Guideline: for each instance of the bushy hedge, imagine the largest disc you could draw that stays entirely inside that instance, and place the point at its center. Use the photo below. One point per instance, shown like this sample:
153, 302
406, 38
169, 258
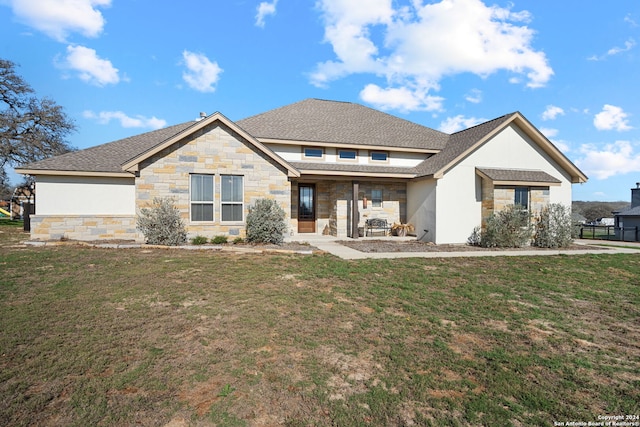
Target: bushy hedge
553, 227
512, 228
266, 222
508, 228
161, 224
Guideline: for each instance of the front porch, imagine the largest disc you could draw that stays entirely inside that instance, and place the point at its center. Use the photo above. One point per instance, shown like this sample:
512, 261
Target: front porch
332, 207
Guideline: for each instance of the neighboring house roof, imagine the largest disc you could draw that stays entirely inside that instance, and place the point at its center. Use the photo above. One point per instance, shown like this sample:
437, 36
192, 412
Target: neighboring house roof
517, 176
320, 121
629, 212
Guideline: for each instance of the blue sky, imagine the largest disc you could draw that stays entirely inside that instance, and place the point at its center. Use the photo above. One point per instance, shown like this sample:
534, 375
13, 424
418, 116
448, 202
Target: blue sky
122, 67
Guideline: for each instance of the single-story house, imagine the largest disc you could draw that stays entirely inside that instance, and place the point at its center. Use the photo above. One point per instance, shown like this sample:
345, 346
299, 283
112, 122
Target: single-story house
331, 166
627, 221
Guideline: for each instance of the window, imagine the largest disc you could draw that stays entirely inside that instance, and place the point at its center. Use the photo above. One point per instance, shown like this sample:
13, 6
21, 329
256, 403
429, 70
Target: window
379, 156
347, 154
231, 200
316, 153
522, 197
201, 197
376, 198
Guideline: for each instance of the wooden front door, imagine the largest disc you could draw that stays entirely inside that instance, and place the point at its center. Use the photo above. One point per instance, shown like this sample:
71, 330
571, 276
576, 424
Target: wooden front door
306, 208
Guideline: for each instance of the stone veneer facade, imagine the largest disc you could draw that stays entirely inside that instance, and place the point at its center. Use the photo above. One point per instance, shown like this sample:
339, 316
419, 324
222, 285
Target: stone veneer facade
215, 150
84, 227
496, 198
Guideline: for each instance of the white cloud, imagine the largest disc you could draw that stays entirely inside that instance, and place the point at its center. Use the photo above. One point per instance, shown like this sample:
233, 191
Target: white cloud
562, 145
614, 159
201, 74
457, 123
59, 18
402, 99
552, 112
629, 20
104, 117
628, 45
611, 118
265, 9
474, 96
548, 132
414, 47
90, 67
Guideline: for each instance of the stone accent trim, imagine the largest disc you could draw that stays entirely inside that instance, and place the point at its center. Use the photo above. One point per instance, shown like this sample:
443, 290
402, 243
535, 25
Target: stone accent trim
85, 227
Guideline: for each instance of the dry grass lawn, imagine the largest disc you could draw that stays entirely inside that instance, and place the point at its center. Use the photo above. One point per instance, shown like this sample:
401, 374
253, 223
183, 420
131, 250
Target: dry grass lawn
167, 337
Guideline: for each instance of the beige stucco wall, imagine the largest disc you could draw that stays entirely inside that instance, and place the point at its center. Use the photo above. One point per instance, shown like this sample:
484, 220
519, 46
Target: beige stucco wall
421, 208
75, 195
293, 153
214, 150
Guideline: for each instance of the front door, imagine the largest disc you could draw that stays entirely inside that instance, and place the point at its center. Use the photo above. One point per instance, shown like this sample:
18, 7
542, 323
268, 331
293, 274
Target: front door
306, 208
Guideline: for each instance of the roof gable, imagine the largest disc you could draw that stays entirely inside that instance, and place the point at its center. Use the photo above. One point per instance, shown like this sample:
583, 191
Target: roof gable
133, 164
320, 121
463, 143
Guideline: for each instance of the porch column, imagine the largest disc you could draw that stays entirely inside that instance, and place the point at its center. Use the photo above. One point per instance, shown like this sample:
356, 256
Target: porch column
355, 215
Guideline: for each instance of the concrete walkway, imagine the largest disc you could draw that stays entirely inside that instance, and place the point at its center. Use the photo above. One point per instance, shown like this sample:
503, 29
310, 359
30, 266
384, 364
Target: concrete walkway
332, 245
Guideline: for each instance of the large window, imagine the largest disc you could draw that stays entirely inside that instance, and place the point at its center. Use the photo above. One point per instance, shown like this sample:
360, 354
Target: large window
231, 200
201, 197
522, 197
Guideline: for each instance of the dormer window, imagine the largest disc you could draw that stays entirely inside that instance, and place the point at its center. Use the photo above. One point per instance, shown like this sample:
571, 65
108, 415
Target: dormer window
379, 156
347, 154
313, 152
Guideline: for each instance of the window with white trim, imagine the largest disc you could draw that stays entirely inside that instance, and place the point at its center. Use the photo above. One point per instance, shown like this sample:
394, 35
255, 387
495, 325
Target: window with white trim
232, 198
201, 197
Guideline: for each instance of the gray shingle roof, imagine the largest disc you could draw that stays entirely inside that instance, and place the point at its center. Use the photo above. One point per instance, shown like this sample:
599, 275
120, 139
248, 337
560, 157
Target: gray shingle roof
519, 175
316, 120
310, 120
108, 157
630, 212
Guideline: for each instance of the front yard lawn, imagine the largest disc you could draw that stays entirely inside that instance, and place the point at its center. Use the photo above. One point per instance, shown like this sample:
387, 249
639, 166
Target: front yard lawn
173, 337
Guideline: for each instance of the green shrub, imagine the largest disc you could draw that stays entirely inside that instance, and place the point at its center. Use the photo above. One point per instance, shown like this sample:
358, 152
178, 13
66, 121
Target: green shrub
266, 222
553, 227
238, 240
161, 224
508, 228
199, 240
219, 240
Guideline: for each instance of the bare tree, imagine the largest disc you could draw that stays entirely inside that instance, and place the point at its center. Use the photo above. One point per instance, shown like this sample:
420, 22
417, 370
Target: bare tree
31, 129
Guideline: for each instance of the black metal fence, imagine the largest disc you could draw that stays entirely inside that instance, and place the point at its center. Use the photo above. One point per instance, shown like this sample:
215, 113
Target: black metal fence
609, 232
